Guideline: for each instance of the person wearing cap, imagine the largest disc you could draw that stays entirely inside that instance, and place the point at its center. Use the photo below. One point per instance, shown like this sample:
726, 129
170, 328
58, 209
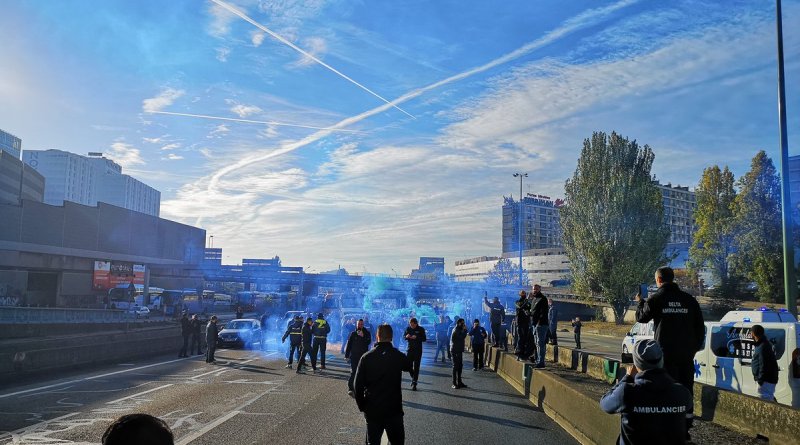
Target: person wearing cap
211, 339
415, 336
295, 334
653, 405
320, 330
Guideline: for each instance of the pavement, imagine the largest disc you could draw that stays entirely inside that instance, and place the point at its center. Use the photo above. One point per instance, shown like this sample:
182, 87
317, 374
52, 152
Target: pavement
250, 397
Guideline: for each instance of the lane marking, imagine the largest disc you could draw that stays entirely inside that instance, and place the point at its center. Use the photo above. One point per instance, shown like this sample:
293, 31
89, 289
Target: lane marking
3, 396
11, 434
209, 372
188, 438
139, 394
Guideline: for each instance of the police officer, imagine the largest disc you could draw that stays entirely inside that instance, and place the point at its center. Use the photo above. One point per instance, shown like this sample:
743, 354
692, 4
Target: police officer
415, 336
211, 339
653, 405
307, 334
295, 334
523, 321
678, 325
442, 340
497, 315
357, 344
541, 324
320, 330
378, 391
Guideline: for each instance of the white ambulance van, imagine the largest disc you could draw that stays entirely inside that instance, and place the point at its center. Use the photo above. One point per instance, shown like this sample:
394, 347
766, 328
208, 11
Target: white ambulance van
639, 331
725, 359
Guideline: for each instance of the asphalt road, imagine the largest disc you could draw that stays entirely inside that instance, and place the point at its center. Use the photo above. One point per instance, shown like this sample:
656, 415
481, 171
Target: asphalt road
609, 347
248, 397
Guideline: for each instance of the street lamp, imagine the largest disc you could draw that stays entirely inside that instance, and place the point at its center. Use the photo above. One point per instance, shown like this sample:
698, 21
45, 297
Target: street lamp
519, 223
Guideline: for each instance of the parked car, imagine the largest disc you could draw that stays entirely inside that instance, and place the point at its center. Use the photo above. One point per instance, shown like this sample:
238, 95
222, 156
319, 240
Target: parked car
639, 331
241, 332
139, 311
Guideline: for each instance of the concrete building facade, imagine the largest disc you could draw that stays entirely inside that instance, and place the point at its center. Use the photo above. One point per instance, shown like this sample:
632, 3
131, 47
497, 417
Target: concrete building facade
18, 181
543, 266
90, 180
540, 223
679, 206
10, 144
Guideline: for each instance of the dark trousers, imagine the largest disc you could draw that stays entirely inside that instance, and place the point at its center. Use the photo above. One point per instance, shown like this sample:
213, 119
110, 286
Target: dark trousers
441, 346
210, 352
353, 367
496, 333
578, 340
195, 345
320, 346
524, 341
185, 346
458, 367
552, 337
395, 431
682, 370
306, 350
477, 356
294, 349
416, 360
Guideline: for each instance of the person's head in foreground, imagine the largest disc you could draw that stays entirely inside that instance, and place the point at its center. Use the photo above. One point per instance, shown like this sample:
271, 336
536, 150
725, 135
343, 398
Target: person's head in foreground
138, 429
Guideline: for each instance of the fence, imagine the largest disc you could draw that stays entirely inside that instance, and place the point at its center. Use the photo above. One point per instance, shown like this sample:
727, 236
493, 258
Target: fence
24, 315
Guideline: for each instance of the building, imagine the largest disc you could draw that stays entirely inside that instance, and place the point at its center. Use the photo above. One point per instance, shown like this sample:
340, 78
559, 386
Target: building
90, 180
543, 266
10, 144
429, 268
475, 269
213, 257
18, 181
540, 223
679, 206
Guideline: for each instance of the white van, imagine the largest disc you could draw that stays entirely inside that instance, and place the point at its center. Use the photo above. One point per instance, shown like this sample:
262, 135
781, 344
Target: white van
639, 331
724, 361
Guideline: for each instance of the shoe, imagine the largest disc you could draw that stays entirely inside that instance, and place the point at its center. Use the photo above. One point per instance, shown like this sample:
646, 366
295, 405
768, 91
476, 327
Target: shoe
461, 385
351, 394
314, 370
413, 386
322, 367
540, 366
289, 366
455, 386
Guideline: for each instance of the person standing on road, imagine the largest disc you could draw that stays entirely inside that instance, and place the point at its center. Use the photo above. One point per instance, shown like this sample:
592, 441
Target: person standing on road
541, 324
186, 331
295, 334
653, 405
442, 340
457, 340
211, 339
478, 337
195, 344
552, 316
321, 330
415, 336
764, 364
576, 330
678, 325
378, 389
264, 321
347, 328
307, 333
523, 320
357, 344
239, 312
497, 315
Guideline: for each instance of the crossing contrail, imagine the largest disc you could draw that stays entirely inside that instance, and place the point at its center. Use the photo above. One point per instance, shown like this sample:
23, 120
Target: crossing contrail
306, 53
250, 121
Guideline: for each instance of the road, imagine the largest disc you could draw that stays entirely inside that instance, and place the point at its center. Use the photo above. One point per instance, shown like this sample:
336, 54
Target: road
609, 347
250, 397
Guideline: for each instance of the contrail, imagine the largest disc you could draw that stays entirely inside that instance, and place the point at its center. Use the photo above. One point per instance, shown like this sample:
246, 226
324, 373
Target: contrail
249, 121
306, 53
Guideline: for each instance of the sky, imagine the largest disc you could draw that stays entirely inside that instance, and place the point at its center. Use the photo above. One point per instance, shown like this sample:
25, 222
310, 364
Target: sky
363, 134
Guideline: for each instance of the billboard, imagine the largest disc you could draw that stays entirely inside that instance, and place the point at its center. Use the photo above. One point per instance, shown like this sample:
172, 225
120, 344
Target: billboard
110, 274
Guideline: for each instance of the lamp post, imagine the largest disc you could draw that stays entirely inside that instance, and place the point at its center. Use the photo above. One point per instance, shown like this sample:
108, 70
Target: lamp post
789, 280
519, 223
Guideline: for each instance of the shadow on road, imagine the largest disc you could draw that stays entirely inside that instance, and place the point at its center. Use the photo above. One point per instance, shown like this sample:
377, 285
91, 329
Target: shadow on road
452, 412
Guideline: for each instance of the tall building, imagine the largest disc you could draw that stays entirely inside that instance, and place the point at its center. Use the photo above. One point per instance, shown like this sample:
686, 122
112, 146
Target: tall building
540, 223
429, 267
18, 181
679, 207
89, 180
10, 144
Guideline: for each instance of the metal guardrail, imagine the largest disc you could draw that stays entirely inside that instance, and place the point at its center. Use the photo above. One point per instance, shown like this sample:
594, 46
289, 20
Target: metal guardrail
21, 315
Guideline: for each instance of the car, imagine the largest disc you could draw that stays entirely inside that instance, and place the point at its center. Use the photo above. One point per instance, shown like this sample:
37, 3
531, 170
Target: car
241, 332
428, 322
639, 331
139, 311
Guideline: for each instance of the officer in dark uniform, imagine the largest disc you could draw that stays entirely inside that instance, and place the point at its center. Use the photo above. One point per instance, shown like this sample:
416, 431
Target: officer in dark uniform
378, 390
186, 331
307, 334
320, 330
653, 405
356, 345
497, 315
415, 336
523, 320
678, 326
295, 334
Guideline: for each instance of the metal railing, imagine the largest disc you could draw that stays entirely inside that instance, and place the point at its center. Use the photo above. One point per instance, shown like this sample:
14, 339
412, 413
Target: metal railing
21, 315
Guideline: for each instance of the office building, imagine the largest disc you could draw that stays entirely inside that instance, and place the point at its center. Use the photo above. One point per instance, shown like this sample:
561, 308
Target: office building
10, 144
429, 268
19, 181
679, 206
90, 180
540, 223
543, 266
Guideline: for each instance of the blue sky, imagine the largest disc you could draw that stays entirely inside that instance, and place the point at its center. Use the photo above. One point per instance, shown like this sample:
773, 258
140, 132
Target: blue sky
367, 134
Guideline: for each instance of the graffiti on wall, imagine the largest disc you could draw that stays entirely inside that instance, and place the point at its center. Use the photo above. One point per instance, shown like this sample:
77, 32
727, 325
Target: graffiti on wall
10, 296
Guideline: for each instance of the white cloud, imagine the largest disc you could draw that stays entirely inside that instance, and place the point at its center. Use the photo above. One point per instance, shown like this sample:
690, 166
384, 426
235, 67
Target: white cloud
166, 98
221, 20
171, 146
124, 154
173, 157
222, 53
257, 37
245, 110
157, 140
314, 46
219, 131
206, 152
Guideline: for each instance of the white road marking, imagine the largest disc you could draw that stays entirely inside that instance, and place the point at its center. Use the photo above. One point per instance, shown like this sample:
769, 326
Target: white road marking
139, 394
188, 438
9, 434
210, 372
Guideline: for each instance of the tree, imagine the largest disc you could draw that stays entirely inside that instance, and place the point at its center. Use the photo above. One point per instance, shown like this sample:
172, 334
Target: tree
505, 273
613, 220
758, 227
713, 241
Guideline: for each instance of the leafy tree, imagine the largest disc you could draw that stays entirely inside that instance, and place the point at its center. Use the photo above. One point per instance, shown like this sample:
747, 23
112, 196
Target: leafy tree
613, 220
505, 273
713, 241
759, 242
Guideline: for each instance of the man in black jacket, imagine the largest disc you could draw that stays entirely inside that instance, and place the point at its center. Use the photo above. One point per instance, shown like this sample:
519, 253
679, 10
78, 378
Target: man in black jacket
321, 330
357, 344
295, 334
497, 314
186, 331
415, 336
457, 340
523, 322
442, 340
307, 333
211, 339
678, 325
653, 405
764, 364
541, 324
195, 344
378, 389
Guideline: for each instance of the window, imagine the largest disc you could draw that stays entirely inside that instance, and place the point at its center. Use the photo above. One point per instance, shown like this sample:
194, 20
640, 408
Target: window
736, 342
